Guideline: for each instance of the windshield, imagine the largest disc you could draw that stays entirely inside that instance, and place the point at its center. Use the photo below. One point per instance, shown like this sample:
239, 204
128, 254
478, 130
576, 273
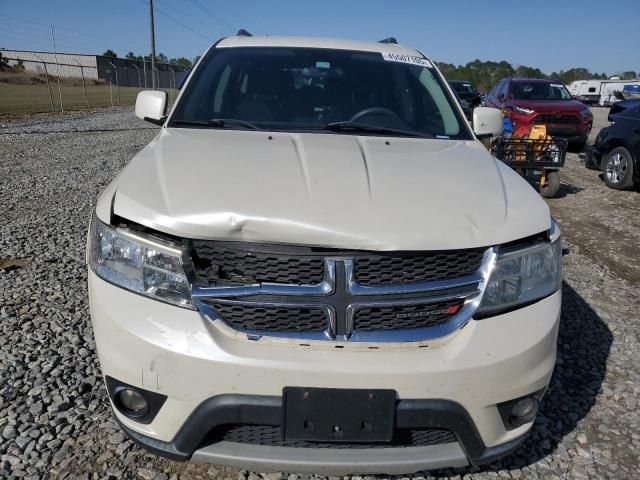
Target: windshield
310, 89
539, 91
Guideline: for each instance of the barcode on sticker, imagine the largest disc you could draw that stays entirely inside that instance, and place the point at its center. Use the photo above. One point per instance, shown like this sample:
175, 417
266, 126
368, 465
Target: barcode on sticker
413, 60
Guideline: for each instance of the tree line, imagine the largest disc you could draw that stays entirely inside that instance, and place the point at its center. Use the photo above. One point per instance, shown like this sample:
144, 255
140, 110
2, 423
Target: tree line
482, 74
485, 74
160, 58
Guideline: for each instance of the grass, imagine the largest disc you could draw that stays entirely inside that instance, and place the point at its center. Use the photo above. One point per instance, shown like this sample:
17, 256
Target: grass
34, 98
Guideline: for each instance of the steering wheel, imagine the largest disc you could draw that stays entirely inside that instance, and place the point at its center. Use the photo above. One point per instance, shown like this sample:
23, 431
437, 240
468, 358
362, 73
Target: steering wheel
367, 112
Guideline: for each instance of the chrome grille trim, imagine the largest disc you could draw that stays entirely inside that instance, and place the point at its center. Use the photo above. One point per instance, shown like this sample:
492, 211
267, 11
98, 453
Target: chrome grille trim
470, 289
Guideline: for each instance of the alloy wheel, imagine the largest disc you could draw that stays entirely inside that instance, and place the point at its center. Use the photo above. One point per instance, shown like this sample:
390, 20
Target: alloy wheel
616, 168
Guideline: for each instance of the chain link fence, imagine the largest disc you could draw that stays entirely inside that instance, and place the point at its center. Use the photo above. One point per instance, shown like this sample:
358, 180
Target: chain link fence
32, 86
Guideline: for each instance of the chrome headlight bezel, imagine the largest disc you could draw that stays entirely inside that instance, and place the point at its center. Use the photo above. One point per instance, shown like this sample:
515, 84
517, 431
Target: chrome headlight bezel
523, 275
139, 263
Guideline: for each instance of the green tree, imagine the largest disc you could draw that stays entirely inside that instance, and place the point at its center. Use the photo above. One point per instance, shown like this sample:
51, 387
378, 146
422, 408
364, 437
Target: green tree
162, 58
630, 75
110, 53
529, 72
4, 64
182, 62
131, 56
18, 67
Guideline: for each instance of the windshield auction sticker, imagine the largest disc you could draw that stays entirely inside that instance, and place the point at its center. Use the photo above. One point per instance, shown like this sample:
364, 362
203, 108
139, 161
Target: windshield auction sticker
397, 57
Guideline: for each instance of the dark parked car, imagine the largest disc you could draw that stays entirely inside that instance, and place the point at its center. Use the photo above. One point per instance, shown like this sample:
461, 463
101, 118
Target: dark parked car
531, 102
616, 151
469, 97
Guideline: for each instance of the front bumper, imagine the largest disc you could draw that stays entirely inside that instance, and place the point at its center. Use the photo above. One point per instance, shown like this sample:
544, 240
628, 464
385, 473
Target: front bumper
257, 409
573, 132
194, 362
592, 157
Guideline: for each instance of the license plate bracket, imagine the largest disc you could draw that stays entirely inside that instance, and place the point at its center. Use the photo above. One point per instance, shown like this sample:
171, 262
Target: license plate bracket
339, 415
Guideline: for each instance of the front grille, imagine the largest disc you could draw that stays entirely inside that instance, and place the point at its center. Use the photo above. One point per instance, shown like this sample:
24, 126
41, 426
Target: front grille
405, 316
390, 268
268, 435
548, 118
224, 265
334, 294
262, 318
221, 264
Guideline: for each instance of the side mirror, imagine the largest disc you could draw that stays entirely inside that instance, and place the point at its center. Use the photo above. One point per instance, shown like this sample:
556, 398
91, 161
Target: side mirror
487, 122
151, 105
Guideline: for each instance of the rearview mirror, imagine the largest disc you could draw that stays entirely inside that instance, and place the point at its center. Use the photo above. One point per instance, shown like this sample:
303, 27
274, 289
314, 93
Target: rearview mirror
151, 105
487, 122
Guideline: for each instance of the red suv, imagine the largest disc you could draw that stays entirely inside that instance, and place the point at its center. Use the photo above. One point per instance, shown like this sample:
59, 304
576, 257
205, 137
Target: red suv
531, 102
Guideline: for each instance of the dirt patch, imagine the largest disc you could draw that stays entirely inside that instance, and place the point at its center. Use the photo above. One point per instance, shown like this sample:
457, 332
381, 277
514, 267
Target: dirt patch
9, 264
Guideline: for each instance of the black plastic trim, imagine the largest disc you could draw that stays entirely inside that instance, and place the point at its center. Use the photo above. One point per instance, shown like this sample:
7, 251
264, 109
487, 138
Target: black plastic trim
155, 400
504, 409
156, 121
268, 410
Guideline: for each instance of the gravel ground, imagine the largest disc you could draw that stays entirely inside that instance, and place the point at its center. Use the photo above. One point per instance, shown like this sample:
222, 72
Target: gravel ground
54, 417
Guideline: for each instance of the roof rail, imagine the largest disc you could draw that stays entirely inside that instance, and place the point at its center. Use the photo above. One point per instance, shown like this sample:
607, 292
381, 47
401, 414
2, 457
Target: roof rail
389, 40
243, 33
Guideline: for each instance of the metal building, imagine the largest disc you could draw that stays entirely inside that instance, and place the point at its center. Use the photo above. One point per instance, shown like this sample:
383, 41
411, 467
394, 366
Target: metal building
124, 72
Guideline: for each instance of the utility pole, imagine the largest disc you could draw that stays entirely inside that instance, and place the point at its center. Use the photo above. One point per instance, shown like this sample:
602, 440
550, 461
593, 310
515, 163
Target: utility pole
153, 45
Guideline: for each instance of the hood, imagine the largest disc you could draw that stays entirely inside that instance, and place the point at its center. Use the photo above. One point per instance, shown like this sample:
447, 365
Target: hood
551, 106
342, 191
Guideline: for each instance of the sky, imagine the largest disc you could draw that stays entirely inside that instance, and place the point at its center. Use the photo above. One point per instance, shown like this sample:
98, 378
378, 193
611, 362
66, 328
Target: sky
603, 36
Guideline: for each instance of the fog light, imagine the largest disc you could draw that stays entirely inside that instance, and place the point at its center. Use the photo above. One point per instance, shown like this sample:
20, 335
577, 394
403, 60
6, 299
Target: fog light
132, 403
523, 411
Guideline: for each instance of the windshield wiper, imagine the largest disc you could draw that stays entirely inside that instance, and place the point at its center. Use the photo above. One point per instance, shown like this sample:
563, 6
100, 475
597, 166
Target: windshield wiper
218, 123
348, 126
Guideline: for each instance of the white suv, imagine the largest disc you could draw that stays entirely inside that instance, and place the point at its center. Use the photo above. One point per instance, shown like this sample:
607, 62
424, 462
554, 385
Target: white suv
317, 267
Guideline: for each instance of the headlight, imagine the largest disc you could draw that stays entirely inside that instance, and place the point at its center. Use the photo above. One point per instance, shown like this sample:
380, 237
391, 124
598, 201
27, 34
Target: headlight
524, 111
585, 112
523, 276
141, 264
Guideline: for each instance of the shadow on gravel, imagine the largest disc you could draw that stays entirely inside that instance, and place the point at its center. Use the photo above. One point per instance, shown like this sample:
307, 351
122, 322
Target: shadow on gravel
636, 187
575, 148
584, 341
567, 189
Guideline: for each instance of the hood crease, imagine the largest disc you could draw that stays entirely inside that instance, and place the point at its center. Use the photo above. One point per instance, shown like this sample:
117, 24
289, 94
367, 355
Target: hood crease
363, 153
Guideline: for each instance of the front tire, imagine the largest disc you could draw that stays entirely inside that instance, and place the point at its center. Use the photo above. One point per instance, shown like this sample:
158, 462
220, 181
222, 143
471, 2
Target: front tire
617, 169
552, 184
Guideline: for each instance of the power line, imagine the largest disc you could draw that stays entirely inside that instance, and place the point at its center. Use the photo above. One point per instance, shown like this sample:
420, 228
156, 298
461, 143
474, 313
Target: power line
182, 24
40, 27
194, 19
215, 17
